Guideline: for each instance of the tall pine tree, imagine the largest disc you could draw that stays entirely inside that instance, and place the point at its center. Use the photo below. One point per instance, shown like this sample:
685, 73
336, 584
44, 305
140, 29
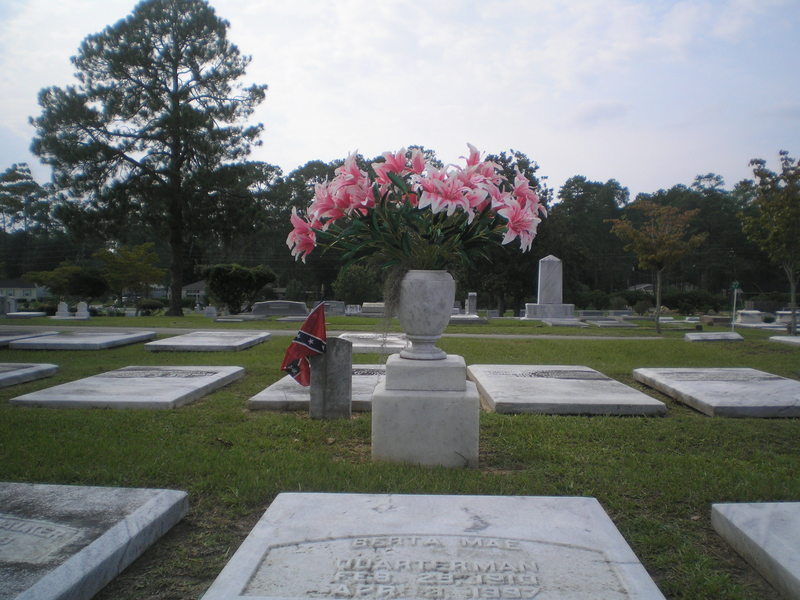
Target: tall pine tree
153, 123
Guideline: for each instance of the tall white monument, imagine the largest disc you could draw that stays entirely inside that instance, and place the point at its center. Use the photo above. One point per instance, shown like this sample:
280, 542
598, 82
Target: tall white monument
550, 303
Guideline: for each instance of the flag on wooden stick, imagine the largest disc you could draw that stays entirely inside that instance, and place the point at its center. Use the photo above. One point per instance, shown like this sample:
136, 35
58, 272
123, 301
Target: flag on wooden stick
309, 341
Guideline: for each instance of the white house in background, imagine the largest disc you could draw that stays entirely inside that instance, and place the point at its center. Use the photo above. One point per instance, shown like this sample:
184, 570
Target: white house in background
21, 290
195, 291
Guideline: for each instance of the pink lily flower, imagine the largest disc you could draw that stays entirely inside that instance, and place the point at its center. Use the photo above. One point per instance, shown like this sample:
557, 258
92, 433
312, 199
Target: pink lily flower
302, 239
522, 223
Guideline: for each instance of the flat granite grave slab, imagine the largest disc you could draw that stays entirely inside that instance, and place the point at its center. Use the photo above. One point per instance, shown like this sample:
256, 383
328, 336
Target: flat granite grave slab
727, 392
558, 390
767, 535
25, 315
375, 343
79, 340
446, 547
287, 394
14, 373
135, 387
209, 341
793, 340
718, 336
11, 335
68, 542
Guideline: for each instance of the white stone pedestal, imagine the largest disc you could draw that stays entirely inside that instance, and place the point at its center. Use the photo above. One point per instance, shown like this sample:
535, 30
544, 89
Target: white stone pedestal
427, 413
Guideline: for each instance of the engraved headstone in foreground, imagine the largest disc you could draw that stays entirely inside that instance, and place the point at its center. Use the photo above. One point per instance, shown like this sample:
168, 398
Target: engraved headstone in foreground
558, 390
135, 387
14, 373
727, 392
80, 340
62, 541
446, 547
209, 341
767, 535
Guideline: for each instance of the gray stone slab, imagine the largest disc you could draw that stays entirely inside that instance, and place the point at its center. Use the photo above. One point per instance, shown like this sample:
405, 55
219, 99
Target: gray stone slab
11, 335
287, 394
14, 373
564, 322
719, 336
793, 340
767, 535
727, 392
209, 341
68, 542
25, 315
135, 387
331, 390
558, 390
447, 547
612, 323
79, 340
375, 343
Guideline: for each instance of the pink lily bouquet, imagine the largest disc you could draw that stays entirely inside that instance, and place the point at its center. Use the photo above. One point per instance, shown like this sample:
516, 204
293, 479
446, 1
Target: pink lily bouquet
414, 215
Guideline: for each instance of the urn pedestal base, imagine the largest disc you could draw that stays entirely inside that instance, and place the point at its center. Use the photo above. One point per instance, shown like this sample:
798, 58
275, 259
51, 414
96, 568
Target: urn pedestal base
435, 426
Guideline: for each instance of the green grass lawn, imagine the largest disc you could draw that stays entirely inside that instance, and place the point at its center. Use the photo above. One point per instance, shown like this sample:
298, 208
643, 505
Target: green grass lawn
656, 477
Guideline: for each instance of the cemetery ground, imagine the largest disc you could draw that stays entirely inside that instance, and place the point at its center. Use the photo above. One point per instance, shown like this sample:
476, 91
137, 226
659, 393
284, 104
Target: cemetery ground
655, 476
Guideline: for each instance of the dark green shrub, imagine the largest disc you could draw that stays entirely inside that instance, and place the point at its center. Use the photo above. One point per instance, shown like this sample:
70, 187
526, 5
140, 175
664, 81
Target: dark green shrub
236, 286
357, 284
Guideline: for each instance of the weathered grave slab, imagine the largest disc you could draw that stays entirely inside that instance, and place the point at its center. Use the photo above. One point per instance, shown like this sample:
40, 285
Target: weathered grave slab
563, 322
558, 390
11, 335
767, 535
14, 373
448, 547
135, 387
25, 314
376, 343
287, 394
793, 340
727, 392
713, 336
209, 341
68, 542
612, 323
79, 340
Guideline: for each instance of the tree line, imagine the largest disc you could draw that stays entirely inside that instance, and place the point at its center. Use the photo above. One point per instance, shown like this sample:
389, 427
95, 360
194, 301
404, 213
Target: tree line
151, 145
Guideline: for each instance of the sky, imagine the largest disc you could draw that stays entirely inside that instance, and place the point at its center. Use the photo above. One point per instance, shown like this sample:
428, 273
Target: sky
648, 92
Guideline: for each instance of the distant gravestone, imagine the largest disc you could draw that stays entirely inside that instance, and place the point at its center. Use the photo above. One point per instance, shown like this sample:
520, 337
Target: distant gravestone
471, 304
210, 312
549, 303
62, 312
279, 308
82, 311
447, 547
331, 381
209, 341
713, 336
12, 305
334, 308
69, 541
372, 309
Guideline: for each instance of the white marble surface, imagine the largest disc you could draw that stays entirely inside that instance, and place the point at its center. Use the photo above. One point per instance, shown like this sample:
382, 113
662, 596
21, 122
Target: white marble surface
426, 427
375, 343
549, 290
713, 336
11, 335
767, 535
446, 375
135, 387
448, 547
727, 392
80, 340
287, 394
209, 341
793, 340
14, 373
558, 389
68, 542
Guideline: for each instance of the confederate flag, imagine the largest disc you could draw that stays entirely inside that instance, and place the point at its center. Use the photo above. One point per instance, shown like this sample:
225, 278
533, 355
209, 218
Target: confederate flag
309, 341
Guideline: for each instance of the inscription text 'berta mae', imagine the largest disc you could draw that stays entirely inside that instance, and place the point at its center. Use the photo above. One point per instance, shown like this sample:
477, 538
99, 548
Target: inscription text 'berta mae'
443, 567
